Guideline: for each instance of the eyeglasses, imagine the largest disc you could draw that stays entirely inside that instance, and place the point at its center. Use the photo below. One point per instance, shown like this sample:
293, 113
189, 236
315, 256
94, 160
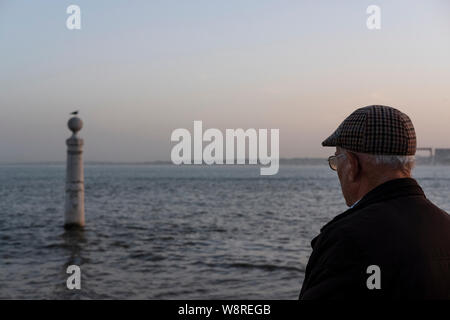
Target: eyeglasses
332, 161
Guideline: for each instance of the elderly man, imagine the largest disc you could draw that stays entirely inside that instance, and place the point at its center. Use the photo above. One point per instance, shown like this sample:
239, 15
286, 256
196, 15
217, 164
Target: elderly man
392, 243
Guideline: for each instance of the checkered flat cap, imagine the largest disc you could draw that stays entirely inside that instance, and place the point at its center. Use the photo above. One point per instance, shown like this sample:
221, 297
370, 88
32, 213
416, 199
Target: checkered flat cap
375, 130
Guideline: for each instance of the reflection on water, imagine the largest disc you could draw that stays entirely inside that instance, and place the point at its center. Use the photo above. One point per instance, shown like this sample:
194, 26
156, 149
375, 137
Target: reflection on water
74, 241
71, 245
170, 232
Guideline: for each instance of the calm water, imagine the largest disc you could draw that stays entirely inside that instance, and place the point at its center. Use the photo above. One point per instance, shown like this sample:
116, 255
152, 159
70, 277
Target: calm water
166, 232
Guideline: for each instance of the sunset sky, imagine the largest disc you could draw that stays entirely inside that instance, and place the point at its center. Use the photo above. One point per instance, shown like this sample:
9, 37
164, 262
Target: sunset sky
137, 70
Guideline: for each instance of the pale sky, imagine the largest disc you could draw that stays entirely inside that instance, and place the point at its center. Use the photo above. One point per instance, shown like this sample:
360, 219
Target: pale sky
137, 70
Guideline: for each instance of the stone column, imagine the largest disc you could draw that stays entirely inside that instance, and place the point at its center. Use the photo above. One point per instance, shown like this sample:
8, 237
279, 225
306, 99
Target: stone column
74, 207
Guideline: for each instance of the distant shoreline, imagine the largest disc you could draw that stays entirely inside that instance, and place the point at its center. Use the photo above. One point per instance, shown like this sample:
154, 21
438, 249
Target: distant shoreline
283, 161
299, 161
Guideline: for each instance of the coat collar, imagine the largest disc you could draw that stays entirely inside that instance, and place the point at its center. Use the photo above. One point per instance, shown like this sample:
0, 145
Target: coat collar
388, 190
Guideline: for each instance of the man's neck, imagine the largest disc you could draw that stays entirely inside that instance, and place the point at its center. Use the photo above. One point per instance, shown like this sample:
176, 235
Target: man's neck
370, 184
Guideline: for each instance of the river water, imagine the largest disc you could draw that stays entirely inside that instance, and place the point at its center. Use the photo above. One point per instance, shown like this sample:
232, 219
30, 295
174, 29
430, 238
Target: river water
167, 232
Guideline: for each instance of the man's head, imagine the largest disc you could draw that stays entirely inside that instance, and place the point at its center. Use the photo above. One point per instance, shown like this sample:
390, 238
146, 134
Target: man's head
374, 144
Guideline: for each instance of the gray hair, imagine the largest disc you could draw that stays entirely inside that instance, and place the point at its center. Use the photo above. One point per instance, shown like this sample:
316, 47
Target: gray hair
404, 163
398, 162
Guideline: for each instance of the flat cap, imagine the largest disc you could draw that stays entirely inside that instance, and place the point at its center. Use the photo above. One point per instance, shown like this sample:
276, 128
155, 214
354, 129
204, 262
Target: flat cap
375, 130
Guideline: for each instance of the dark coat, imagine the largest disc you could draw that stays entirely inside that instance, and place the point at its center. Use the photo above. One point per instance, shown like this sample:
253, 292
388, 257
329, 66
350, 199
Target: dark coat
395, 227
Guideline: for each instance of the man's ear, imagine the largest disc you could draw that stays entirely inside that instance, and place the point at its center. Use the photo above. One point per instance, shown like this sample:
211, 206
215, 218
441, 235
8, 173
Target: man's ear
354, 168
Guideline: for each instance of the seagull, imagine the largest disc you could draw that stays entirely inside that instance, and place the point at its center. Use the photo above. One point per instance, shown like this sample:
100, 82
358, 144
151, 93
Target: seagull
75, 112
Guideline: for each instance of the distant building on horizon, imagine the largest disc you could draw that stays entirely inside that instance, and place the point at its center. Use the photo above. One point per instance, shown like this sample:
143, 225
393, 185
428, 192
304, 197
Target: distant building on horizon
442, 156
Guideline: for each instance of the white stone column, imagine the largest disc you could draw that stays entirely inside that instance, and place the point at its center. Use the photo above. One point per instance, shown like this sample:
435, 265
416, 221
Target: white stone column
74, 207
